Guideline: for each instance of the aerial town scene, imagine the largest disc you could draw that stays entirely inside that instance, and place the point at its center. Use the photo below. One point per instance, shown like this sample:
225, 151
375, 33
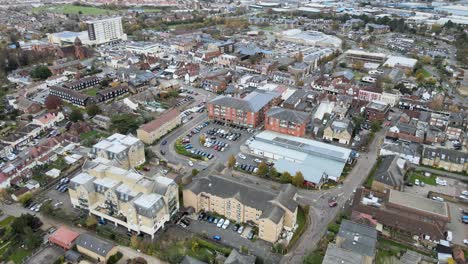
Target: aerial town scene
234, 131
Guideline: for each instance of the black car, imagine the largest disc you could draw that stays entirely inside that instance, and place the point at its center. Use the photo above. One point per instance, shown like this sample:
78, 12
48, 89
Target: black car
164, 142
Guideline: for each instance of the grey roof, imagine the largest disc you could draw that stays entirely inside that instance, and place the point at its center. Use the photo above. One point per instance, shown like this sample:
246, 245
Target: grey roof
388, 171
336, 255
236, 258
406, 128
411, 149
253, 102
94, 244
448, 155
72, 256
346, 74
267, 202
288, 114
340, 125
357, 238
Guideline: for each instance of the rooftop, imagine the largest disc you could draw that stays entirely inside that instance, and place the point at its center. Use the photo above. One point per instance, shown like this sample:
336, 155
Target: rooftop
418, 203
358, 238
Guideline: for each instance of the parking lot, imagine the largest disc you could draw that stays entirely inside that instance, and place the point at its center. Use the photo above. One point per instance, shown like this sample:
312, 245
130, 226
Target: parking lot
233, 239
453, 188
221, 140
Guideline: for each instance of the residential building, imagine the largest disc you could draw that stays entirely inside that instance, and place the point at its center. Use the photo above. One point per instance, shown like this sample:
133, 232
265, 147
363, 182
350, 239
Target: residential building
95, 248
128, 150
372, 94
83, 83
407, 213
163, 124
248, 111
102, 121
111, 93
376, 111
357, 238
411, 152
316, 161
339, 130
243, 203
64, 238
377, 28
447, 159
408, 132
390, 174
106, 30
48, 120
336, 254
286, 121
71, 96
123, 197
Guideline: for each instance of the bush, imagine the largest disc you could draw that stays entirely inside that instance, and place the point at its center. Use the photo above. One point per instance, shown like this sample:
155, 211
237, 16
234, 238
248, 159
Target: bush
115, 258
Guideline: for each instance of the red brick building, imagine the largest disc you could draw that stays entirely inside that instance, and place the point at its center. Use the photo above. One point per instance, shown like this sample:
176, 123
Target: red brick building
377, 111
248, 111
286, 121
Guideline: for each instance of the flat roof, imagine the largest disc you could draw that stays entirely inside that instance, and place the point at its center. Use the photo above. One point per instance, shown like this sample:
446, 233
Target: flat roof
148, 200
82, 178
418, 203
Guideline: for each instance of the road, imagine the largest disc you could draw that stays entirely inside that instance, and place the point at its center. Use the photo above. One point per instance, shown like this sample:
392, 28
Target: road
320, 214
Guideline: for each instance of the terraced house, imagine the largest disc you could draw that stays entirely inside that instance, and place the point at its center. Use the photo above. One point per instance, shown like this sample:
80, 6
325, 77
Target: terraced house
448, 159
124, 197
273, 213
83, 83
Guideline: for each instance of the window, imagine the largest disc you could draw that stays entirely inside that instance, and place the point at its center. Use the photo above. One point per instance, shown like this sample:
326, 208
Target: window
283, 123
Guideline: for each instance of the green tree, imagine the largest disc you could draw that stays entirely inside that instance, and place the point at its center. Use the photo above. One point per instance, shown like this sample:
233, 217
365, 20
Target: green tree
298, 179
376, 126
202, 139
40, 72
286, 177
273, 172
231, 161
194, 172
426, 59
25, 198
420, 77
75, 115
91, 222
262, 169
134, 242
93, 110
31, 240
124, 123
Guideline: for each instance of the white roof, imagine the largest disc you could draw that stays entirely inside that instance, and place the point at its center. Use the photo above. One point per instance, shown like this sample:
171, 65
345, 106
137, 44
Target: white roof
393, 61
82, 178
147, 200
106, 182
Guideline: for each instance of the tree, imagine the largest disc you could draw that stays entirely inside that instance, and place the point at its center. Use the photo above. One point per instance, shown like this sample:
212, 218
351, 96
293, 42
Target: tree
53, 102
91, 222
262, 169
31, 240
124, 123
4, 195
134, 242
376, 126
420, 77
194, 172
202, 139
231, 161
93, 110
286, 177
75, 115
273, 172
41, 72
149, 154
426, 59
358, 65
25, 198
298, 179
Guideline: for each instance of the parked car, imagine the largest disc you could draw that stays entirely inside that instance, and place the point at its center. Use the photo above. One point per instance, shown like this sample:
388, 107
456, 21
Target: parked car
190, 163
416, 182
164, 142
226, 224
250, 235
217, 238
235, 227
220, 223
242, 156
240, 230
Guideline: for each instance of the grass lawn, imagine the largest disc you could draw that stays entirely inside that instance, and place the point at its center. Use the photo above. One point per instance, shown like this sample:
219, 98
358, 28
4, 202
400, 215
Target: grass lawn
358, 75
431, 180
7, 221
19, 255
74, 9
151, 10
91, 91
425, 73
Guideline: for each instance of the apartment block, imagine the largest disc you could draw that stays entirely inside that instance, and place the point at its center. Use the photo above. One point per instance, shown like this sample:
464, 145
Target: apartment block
245, 204
123, 197
286, 121
248, 111
448, 159
128, 151
106, 30
154, 130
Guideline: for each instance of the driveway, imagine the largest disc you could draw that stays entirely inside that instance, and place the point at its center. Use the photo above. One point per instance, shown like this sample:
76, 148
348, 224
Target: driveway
232, 239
